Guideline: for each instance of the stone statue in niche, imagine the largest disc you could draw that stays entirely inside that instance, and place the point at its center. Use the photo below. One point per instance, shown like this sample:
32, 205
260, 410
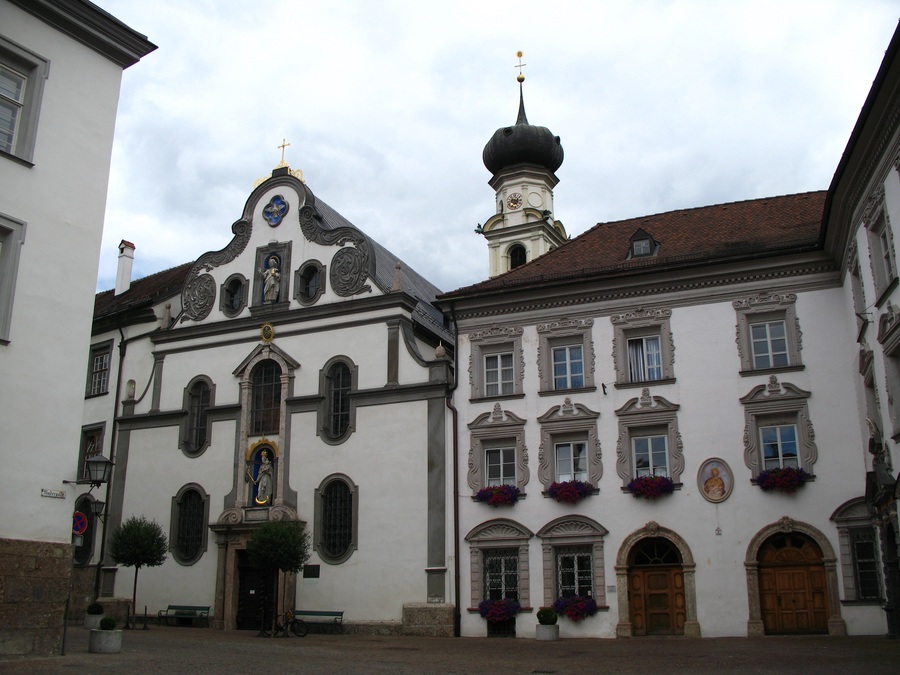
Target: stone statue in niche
263, 480
271, 280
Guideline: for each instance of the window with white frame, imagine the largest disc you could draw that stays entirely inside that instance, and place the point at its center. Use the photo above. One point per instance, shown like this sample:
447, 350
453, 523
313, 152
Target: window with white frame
499, 378
12, 237
565, 355
501, 574
497, 455
98, 373
572, 551
643, 348
496, 362
649, 441
500, 466
91, 446
778, 430
768, 332
498, 562
570, 449
22, 76
568, 367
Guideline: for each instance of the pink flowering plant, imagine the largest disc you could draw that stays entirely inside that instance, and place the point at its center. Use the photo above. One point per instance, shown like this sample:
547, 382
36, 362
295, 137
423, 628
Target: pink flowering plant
498, 495
787, 479
570, 491
497, 611
651, 487
575, 607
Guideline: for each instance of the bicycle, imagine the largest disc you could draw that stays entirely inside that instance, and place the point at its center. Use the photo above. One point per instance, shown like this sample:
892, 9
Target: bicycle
289, 622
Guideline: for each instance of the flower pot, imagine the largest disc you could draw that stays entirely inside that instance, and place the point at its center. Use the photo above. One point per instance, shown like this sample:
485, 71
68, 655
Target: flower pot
92, 621
547, 633
105, 641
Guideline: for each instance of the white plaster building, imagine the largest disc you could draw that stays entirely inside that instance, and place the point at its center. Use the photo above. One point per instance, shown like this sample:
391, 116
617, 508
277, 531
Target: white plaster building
707, 346
305, 342
61, 66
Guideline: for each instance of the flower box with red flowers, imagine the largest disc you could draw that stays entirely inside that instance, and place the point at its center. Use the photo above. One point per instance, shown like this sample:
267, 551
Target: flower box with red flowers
498, 495
787, 479
651, 487
570, 491
575, 607
497, 611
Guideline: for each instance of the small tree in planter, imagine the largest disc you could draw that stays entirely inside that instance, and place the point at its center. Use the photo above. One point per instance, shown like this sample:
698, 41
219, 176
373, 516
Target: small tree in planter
279, 546
546, 629
105, 639
92, 615
138, 542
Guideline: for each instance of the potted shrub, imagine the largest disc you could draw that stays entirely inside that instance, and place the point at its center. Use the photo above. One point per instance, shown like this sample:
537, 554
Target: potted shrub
106, 639
650, 487
498, 495
570, 491
788, 479
92, 615
546, 628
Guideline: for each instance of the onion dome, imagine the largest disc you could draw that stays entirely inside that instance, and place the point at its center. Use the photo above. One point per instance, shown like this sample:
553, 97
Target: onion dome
522, 143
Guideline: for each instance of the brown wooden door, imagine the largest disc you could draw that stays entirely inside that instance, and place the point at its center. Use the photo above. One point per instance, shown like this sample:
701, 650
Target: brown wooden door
792, 586
656, 598
255, 592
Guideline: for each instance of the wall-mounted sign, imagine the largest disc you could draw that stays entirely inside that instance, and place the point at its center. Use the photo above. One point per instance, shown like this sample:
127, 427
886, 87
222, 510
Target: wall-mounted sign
715, 480
55, 494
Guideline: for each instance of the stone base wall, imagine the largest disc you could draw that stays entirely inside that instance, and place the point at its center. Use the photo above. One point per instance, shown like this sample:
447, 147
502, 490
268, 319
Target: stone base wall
34, 583
82, 592
363, 628
428, 620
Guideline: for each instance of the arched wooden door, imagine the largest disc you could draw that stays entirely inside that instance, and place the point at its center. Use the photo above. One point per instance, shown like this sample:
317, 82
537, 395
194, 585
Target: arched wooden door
792, 585
656, 588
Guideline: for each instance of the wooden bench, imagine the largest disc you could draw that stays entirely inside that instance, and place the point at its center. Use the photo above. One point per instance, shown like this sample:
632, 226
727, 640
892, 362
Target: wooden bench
334, 619
184, 614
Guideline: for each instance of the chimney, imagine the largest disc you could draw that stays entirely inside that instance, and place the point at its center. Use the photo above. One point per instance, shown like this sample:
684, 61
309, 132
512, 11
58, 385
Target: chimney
126, 260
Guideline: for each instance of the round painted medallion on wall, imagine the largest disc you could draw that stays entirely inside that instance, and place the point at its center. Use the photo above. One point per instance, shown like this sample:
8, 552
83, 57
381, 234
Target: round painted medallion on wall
715, 480
198, 297
535, 200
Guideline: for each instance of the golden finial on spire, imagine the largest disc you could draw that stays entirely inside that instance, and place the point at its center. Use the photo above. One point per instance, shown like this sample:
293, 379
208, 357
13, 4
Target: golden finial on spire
297, 173
520, 77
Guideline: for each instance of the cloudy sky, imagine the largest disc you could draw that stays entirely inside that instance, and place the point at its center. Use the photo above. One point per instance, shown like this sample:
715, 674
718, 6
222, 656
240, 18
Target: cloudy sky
387, 106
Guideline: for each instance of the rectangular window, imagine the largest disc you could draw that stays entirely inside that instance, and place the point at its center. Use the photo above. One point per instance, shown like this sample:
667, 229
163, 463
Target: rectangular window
575, 572
865, 563
571, 461
500, 464
91, 446
644, 359
501, 574
12, 99
98, 380
779, 445
650, 456
568, 367
498, 374
12, 236
22, 76
769, 344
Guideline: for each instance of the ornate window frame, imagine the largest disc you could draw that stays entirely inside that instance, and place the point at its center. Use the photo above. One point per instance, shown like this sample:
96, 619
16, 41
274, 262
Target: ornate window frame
776, 403
767, 307
319, 519
572, 531
854, 522
565, 333
880, 237
227, 293
889, 339
638, 323
324, 409
568, 422
188, 422
495, 340
175, 524
498, 428
498, 534
644, 416
301, 282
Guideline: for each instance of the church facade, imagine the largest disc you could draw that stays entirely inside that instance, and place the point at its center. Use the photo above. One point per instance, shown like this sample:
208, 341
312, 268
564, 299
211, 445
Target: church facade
299, 374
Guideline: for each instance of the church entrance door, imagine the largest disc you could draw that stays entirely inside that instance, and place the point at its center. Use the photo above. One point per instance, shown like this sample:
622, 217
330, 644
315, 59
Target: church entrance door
656, 589
256, 590
792, 585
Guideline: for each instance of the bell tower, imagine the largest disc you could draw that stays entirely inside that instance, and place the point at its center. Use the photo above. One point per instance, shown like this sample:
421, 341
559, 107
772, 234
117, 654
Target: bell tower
522, 160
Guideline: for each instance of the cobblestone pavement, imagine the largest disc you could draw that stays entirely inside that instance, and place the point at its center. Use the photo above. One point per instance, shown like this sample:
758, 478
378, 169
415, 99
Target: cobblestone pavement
201, 650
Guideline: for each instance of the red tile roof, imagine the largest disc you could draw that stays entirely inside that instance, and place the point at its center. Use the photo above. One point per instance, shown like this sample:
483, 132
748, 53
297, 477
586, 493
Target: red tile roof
774, 225
144, 291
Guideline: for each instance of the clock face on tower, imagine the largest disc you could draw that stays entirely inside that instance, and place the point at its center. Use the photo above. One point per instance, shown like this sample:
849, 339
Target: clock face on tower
514, 201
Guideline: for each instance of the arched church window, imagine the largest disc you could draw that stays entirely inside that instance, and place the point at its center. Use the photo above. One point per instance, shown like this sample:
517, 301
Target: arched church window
190, 510
266, 396
234, 295
338, 387
336, 519
309, 282
516, 256
85, 549
198, 401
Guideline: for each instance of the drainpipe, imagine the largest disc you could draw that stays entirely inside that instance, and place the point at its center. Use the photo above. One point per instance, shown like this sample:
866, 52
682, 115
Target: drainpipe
457, 615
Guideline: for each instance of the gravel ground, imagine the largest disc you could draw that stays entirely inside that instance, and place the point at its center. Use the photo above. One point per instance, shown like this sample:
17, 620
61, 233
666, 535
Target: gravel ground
199, 650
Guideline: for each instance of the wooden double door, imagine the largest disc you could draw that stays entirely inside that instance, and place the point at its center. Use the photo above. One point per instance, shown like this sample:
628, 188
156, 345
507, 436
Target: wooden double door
792, 586
656, 589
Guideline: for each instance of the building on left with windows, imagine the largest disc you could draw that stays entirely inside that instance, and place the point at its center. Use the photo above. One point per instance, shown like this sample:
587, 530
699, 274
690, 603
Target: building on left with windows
61, 67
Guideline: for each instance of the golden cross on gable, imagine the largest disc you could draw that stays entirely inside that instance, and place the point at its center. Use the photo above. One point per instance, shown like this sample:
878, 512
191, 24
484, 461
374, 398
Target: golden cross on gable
521, 65
284, 144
